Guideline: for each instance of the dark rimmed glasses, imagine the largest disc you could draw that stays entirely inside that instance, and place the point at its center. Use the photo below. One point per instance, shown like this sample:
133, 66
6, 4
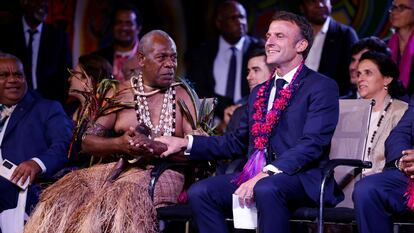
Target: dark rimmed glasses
399, 8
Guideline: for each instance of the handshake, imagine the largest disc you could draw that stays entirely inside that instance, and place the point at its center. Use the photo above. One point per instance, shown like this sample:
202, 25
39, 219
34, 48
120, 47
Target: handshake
140, 145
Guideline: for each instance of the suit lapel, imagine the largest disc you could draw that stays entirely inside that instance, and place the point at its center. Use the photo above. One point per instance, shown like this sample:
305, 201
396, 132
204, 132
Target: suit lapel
21, 109
329, 48
21, 47
244, 85
41, 57
301, 78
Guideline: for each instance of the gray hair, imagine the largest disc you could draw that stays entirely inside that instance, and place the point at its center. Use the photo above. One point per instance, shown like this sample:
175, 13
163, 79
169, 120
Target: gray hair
146, 40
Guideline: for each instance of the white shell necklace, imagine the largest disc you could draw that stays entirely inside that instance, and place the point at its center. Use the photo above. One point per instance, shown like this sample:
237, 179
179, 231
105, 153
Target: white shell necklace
166, 124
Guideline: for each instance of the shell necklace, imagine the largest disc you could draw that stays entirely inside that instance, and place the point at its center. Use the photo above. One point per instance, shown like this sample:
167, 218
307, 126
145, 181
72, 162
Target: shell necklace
166, 124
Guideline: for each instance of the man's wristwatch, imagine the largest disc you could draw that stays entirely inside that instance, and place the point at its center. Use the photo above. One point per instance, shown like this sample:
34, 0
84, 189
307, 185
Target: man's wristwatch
398, 164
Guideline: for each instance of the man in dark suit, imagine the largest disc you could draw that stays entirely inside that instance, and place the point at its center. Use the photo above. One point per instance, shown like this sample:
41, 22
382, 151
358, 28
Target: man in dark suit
331, 50
34, 134
210, 65
43, 49
292, 131
126, 25
380, 196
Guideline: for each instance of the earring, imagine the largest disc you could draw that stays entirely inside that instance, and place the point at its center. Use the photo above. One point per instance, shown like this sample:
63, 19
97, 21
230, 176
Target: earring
385, 87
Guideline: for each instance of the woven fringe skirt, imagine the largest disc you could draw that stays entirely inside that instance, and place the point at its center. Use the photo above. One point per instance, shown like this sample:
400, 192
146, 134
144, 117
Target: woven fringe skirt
82, 202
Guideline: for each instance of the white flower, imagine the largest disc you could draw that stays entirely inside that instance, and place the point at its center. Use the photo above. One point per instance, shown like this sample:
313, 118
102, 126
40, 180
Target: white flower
7, 111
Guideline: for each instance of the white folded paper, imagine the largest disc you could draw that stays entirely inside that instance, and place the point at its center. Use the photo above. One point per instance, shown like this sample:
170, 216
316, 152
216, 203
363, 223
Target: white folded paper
244, 218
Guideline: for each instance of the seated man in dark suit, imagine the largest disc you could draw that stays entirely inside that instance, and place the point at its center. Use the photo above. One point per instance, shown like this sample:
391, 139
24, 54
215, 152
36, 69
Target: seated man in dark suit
330, 52
380, 196
34, 135
290, 120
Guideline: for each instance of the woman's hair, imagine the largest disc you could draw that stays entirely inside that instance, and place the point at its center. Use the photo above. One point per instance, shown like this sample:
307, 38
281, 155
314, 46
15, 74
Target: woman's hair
96, 67
387, 67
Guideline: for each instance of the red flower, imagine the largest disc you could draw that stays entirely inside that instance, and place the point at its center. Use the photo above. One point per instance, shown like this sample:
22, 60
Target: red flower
260, 142
256, 128
267, 128
261, 130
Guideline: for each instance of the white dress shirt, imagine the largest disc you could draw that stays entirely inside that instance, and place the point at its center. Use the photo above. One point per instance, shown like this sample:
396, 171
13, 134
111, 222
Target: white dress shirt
314, 57
221, 67
35, 48
288, 78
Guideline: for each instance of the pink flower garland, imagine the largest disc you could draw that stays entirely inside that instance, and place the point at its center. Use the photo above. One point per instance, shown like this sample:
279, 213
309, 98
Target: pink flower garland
262, 126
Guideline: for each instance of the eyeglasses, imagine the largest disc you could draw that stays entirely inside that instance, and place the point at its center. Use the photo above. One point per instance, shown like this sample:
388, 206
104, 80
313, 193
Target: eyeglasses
324, 2
399, 8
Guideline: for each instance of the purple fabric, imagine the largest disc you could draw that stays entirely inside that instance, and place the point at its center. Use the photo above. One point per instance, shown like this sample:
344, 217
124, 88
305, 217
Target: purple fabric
405, 62
252, 167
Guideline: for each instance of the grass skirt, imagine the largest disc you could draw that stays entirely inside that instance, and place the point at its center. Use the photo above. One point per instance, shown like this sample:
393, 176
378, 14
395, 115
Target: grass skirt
82, 202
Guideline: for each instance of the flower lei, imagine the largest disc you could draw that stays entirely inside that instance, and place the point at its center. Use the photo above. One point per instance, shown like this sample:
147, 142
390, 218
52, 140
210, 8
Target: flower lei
6, 112
264, 122
262, 127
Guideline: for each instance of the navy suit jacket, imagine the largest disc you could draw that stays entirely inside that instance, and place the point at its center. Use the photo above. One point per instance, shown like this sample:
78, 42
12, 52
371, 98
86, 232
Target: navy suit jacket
336, 54
52, 62
201, 66
37, 128
401, 137
299, 143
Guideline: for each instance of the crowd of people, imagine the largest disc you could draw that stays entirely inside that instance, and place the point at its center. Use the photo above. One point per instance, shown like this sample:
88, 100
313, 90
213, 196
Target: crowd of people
95, 131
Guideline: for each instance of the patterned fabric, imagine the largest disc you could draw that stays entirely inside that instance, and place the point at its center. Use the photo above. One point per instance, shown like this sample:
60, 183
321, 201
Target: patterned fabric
2, 119
5, 113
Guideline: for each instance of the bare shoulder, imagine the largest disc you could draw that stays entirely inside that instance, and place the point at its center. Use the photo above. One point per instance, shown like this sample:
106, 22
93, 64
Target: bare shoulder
124, 91
182, 92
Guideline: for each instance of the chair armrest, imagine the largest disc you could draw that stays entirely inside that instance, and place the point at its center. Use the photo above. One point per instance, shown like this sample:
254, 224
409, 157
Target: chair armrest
158, 169
333, 163
327, 172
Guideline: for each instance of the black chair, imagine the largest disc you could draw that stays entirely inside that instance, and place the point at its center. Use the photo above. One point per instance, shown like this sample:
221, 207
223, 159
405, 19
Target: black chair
347, 150
178, 212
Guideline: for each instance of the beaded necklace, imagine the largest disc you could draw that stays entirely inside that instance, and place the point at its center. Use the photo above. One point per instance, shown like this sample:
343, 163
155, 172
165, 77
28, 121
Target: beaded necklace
380, 120
166, 124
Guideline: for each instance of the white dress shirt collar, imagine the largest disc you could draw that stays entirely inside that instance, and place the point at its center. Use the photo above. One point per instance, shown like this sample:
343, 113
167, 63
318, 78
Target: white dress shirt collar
221, 67
26, 27
224, 45
315, 53
288, 76
325, 26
